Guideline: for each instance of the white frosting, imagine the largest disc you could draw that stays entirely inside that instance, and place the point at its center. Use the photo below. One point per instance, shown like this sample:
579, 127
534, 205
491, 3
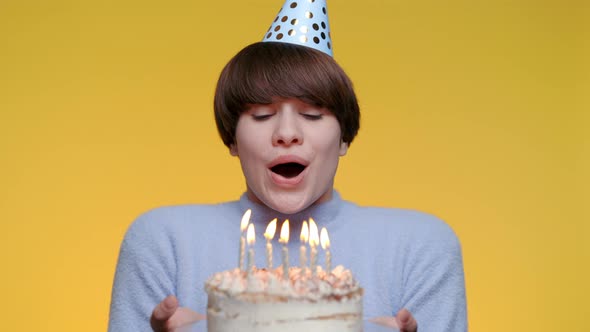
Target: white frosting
264, 301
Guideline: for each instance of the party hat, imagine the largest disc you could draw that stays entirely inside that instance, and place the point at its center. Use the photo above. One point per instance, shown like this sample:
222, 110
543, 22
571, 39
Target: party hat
302, 22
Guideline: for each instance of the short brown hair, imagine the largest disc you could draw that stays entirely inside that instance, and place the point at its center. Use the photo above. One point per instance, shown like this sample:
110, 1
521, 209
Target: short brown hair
262, 71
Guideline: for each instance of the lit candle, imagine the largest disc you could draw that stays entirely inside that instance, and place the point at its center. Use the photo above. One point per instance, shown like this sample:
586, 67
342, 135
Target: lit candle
314, 240
243, 226
284, 239
251, 237
269, 234
325, 240
302, 251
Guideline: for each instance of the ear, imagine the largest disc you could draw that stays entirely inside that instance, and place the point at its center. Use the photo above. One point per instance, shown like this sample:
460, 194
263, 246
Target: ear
343, 148
233, 150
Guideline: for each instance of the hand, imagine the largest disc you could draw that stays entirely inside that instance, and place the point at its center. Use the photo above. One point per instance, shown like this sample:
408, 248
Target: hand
404, 321
168, 316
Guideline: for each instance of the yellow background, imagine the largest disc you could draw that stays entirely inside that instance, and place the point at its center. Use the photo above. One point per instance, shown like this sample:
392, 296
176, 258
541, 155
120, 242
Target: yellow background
476, 111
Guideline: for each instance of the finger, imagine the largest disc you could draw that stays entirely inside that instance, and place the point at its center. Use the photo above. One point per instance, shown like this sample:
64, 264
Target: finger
162, 313
387, 321
406, 321
185, 316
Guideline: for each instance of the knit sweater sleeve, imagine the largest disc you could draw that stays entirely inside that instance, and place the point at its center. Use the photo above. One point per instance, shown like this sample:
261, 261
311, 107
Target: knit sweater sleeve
434, 286
144, 276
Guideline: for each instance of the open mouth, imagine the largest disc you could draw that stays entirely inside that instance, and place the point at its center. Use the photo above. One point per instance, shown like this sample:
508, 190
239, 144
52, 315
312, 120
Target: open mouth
288, 170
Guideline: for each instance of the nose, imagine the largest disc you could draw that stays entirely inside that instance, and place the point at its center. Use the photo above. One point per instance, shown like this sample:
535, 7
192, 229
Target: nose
287, 131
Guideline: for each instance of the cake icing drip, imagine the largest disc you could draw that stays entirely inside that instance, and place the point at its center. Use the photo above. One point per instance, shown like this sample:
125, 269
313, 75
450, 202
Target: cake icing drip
338, 285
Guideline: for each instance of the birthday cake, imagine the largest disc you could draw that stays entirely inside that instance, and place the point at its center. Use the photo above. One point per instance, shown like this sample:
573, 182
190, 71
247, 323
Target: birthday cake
264, 300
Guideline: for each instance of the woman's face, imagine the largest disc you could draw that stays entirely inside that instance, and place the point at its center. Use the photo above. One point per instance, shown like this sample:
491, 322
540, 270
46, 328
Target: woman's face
289, 153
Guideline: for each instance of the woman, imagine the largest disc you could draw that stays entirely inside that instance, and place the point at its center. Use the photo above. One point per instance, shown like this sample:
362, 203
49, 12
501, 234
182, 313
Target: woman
288, 112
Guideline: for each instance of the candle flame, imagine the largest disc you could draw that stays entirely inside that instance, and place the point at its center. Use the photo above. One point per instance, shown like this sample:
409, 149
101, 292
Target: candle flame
251, 235
304, 233
325, 239
285, 232
271, 229
314, 238
245, 220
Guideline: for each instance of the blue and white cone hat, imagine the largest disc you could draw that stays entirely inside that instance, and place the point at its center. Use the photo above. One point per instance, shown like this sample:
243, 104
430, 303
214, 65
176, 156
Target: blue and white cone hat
302, 22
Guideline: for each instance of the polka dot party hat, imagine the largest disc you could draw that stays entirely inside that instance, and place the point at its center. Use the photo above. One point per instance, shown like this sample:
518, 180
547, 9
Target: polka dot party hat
302, 22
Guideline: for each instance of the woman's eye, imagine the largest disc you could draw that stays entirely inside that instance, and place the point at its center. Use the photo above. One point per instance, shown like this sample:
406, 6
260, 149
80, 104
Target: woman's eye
310, 116
261, 117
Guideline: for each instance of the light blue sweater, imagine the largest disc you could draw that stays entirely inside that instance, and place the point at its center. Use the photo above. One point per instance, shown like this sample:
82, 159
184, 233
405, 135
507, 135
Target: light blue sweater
402, 258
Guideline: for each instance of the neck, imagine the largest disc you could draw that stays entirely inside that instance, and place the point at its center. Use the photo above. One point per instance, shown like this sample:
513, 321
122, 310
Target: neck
322, 211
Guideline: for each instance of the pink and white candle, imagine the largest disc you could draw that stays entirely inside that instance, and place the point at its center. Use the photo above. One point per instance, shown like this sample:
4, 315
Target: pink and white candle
325, 241
269, 234
303, 250
314, 240
243, 227
284, 239
251, 238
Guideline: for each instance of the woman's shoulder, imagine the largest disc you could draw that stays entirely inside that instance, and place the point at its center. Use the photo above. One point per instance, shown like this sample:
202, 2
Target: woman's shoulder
406, 222
183, 218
